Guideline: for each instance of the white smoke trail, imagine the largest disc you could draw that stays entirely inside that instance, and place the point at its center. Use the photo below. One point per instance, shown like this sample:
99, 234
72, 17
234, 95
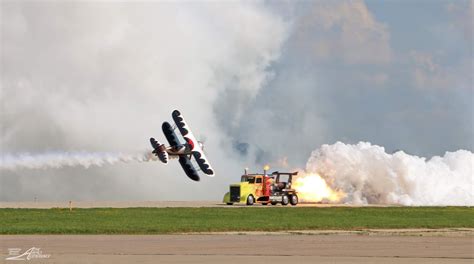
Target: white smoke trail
68, 159
369, 175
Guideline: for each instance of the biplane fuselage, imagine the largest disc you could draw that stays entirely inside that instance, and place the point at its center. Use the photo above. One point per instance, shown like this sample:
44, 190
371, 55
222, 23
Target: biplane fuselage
175, 151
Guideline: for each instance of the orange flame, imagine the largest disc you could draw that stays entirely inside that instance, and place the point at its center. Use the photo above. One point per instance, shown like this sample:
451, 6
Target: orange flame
313, 188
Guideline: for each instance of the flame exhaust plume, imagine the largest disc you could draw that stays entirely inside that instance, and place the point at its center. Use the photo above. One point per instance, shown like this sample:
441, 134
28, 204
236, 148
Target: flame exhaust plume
313, 188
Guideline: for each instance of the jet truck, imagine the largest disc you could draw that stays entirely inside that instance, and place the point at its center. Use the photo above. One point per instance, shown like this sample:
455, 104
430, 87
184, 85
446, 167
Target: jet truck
263, 188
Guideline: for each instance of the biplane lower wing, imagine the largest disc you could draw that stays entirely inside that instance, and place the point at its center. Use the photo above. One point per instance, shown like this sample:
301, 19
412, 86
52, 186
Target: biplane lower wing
189, 168
169, 134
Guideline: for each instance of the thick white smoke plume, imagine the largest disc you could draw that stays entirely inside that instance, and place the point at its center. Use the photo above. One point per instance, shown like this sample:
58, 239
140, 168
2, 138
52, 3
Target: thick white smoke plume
102, 77
369, 175
68, 159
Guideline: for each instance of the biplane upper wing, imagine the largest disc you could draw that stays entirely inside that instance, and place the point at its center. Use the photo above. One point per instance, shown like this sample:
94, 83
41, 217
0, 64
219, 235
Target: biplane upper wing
201, 160
196, 149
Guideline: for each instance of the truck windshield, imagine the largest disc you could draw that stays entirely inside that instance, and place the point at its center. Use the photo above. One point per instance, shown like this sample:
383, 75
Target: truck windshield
248, 179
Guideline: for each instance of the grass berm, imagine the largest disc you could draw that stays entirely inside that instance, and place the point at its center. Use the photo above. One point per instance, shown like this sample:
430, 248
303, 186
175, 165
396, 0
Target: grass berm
182, 220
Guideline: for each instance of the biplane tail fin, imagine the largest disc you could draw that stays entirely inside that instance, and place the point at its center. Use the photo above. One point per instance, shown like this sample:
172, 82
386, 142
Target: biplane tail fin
159, 150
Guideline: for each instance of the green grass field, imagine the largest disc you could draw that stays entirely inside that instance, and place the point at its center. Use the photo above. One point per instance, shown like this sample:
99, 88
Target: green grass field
177, 220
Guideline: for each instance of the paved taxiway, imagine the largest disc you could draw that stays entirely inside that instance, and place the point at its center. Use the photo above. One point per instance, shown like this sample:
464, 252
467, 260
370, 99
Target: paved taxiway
253, 248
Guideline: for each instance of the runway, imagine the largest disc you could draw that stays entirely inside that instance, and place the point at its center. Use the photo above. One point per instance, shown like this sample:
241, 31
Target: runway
157, 204
253, 248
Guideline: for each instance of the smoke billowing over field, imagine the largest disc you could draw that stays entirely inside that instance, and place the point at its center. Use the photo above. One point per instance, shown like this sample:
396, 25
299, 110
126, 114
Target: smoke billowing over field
87, 84
366, 174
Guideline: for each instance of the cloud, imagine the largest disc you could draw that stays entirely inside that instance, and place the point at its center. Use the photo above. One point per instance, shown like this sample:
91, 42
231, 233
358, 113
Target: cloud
430, 73
375, 80
462, 13
363, 86
289, 116
345, 30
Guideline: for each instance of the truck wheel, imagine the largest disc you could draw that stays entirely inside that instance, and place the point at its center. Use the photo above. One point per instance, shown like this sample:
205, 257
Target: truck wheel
230, 203
250, 200
274, 203
284, 200
264, 203
294, 200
